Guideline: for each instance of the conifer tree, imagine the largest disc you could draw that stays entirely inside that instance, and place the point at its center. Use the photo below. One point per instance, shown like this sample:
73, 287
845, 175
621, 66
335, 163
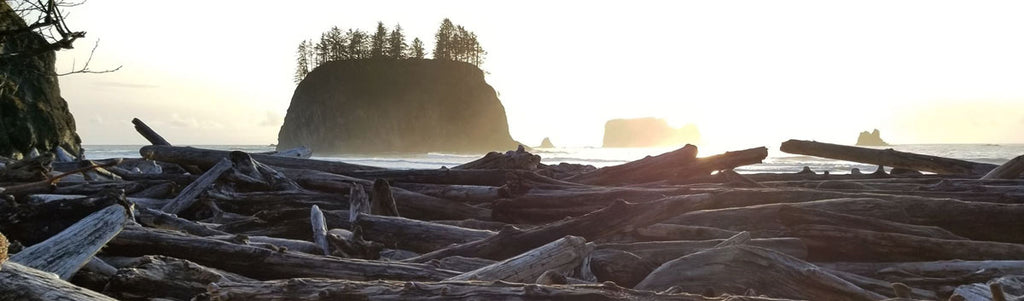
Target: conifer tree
396, 43
417, 51
443, 40
357, 45
302, 62
379, 41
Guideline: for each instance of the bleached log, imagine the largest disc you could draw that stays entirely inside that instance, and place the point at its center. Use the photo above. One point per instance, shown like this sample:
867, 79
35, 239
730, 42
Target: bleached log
298, 152
316, 219
329, 289
620, 216
472, 194
887, 157
659, 252
883, 287
563, 256
792, 216
729, 270
18, 282
350, 244
1009, 170
414, 235
274, 243
461, 264
188, 195
66, 252
262, 263
666, 232
248, 203
999, 289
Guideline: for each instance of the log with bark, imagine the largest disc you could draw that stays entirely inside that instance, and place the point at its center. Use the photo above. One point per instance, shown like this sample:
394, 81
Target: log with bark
728, 270
886, 157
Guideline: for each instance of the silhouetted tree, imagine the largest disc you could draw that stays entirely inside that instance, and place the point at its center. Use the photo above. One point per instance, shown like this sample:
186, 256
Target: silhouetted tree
396, 43
358, 46
379, 41
443, 40
336, 41
417, 51
302, 62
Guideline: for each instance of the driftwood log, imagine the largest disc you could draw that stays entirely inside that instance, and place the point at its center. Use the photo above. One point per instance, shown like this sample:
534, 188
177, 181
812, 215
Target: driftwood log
208, 157
1009, 170
18, 282
64, 253
562, 256
887, 157
729, 270
262, 263
415, 235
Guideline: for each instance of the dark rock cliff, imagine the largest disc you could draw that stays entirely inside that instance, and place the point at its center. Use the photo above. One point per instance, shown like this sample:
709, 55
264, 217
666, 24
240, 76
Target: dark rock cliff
873, 138
400, 106
32, 112
647, 132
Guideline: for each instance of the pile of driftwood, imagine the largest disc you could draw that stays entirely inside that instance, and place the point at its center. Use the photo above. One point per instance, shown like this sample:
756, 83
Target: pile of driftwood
184, 223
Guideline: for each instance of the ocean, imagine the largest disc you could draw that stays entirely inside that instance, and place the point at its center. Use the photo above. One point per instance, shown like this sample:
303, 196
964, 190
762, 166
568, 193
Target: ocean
777, 161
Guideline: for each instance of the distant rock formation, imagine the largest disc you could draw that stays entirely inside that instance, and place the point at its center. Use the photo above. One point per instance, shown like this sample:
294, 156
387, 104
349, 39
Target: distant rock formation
32, 113
647, 132
874, 138
395, 106
546, 143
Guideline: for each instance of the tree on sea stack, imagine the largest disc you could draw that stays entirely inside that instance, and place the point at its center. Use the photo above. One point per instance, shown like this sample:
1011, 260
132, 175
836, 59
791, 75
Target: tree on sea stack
443, 40
417, 51
396, 43
379, 41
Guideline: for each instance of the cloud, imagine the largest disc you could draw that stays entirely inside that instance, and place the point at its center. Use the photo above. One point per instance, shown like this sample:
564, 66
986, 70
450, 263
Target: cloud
96, 119
272, 119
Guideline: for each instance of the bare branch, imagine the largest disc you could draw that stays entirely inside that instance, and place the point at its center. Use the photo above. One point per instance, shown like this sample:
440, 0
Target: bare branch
85, 68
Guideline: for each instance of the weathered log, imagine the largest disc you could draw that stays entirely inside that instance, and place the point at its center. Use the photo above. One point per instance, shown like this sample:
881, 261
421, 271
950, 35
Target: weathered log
517, 159
382, 202
885, 288
247, 174
728, 270
316, 219
460, 193
667, 232
188, 195
563, 256
887, 157
940, 276
624, 268
358, 202
19, 283
27, 170
161, 220
414, 205
272, 243
540, 206
620, 216
65, 253
208, 157
793, 216
999, 289
414, 235
1009, 170
162, 277
830, 243
461, 264
959, 217
262, 263
480, 177
673, 166
298, 152
33, 223
152, 136
291, 223
327, 289
659, 252
350, 244
478, 224
249, 203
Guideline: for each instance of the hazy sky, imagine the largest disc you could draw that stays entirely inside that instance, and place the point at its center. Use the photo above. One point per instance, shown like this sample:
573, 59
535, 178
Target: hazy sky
748, 73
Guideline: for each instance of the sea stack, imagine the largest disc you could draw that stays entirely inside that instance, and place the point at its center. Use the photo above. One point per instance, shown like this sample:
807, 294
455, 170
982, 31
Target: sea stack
874, 138
395, 106
647, 132
546, 143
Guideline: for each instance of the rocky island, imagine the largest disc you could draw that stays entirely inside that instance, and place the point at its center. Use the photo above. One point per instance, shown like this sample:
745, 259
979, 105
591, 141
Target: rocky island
647, 132
874, 138
396, 106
